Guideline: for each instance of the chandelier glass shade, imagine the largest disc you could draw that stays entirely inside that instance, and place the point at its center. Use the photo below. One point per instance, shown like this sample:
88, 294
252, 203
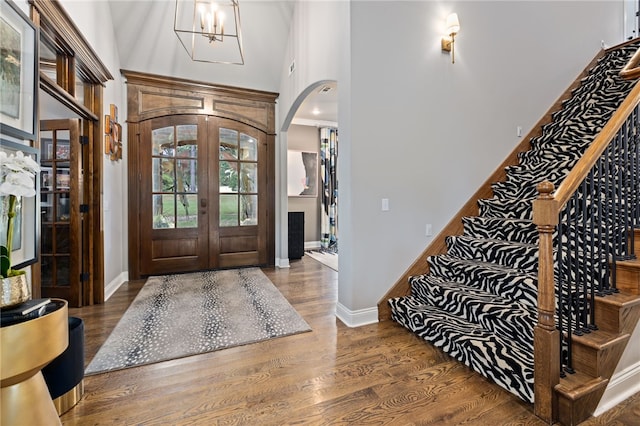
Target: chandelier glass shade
210, 31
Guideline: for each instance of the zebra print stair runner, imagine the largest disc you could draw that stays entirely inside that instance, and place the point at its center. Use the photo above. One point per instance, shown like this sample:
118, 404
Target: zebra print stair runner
478, 301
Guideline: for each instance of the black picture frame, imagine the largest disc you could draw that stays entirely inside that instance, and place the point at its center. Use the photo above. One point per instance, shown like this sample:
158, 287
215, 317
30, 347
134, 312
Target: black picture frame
19, 76
27, 254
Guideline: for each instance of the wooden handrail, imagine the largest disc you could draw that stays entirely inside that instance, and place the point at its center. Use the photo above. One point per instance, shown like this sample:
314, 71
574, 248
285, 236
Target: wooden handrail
632, 69
546, 212
569, 185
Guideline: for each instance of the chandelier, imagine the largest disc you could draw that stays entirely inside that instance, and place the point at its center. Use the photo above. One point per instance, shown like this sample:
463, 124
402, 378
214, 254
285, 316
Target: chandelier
210, 31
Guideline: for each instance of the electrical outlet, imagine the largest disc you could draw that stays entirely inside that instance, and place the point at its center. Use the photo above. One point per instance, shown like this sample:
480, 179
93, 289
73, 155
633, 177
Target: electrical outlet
428, 231
519, 131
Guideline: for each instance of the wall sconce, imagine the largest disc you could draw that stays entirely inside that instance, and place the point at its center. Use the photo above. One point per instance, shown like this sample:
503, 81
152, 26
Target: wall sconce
452, 28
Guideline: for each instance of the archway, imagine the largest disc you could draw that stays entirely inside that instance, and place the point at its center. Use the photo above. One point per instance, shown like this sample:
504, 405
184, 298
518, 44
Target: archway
309, 131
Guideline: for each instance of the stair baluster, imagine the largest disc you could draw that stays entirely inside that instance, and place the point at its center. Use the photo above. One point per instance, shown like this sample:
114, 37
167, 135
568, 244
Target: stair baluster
597, 207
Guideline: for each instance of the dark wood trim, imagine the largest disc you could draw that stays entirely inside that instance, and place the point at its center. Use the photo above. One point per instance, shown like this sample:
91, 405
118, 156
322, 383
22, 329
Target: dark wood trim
57, 23
133, 173
271, 200
77, 60
163, 82
59, 94
152, 96
94, 96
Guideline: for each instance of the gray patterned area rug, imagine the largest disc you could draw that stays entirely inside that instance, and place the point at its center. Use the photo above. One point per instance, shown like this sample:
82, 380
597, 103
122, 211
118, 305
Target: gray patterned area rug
174, 316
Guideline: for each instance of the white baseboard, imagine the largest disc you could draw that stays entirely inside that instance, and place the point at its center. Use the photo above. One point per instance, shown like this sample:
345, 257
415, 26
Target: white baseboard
621, 386
356, 318
282, 263
310, 245
115, 284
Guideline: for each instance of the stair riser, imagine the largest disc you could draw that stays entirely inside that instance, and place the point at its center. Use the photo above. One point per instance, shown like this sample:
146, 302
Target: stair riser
519, 232
614, 318
575, 411
519, 287
503, 190
497, 208
628, 277
523, 257
508, 320
533, 158
598, 362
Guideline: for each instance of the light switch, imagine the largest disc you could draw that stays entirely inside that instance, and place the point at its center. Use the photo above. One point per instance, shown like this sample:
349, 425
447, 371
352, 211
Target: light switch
428, 231
385, 204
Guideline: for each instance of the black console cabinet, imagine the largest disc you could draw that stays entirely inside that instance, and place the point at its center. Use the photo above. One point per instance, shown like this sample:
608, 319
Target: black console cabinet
296, 235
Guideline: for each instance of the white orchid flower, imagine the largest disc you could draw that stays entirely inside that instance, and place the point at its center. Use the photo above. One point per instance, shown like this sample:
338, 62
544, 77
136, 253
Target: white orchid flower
17, 174
20, 184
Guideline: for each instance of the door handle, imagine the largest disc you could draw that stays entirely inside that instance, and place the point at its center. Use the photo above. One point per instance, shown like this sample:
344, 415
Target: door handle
203, 206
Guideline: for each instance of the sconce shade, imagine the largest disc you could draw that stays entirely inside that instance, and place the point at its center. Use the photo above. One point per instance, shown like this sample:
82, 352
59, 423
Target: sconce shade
210, 30
453, 24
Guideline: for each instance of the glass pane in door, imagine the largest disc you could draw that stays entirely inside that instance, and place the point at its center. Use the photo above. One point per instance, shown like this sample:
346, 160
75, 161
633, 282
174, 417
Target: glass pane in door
248, 210
55, 203
238, 175
228, 210
248, 148
174, 176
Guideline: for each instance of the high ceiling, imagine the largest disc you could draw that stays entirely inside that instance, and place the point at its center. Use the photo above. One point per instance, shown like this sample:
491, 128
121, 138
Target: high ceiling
146, 42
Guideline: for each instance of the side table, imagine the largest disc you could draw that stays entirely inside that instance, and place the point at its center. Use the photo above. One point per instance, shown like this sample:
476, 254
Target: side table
26, 348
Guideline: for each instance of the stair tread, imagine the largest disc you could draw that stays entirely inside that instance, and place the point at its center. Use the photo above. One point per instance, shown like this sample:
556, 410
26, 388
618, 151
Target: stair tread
621, 299
576, 385
494, 240
490, 265
629, 264
599, 339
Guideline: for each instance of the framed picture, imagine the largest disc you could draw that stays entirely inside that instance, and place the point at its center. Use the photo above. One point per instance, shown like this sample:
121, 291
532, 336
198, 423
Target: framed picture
46, 179
26, 223
302, 174
18, 72
62, 149
62, 179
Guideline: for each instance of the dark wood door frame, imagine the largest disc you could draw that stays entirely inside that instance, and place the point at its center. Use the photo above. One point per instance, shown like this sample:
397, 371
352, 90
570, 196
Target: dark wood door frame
76, 59
151, 96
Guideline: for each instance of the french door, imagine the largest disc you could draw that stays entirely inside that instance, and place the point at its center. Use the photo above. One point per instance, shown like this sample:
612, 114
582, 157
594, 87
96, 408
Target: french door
63, 256
202, 201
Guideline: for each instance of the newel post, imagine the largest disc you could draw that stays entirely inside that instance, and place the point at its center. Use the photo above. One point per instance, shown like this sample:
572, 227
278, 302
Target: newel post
546, 338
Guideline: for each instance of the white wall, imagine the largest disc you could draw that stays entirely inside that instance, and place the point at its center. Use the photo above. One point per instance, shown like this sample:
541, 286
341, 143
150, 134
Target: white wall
317, 39
425, 132
93, 19
417, 129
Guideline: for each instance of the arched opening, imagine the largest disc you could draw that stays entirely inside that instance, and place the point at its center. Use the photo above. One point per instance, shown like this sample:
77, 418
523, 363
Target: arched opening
309, 171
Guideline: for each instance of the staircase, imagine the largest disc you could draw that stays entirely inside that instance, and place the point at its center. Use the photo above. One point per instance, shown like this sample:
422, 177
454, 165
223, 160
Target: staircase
478, 299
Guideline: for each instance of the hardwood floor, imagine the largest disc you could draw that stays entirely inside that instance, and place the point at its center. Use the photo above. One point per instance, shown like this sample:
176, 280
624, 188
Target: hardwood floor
375, 374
